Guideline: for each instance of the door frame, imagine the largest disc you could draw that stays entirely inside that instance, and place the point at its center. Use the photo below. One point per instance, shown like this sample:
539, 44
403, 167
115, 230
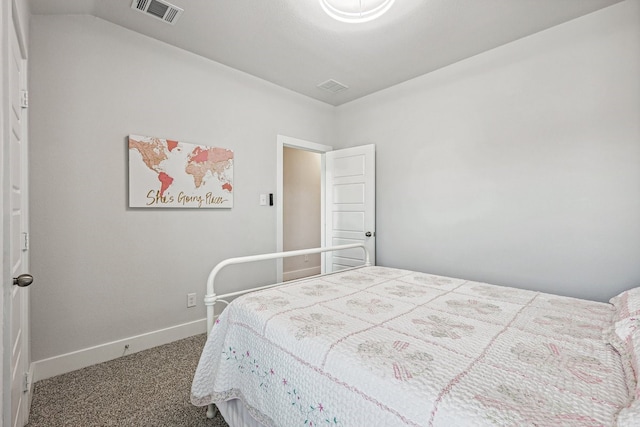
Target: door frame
5, 15
287, 141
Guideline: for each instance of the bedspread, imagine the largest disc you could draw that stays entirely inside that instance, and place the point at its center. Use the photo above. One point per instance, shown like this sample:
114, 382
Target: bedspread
377, 346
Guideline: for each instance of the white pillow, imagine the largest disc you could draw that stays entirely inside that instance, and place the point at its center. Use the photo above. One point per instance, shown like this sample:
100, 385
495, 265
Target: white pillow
627, 304
629, 416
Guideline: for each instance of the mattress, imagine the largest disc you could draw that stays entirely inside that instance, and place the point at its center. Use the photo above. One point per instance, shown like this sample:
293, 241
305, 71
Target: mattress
378, 346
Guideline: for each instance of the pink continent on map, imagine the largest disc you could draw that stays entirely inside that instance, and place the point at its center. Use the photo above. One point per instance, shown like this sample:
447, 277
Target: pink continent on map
171, 144
165, 182
211, 160
153, 152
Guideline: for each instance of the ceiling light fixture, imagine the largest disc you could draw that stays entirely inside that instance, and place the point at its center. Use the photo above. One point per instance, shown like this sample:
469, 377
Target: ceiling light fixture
356, 11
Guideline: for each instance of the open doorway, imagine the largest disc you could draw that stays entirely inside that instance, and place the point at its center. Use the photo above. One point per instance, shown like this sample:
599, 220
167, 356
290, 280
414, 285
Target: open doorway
301, 212
299, 146
347, 192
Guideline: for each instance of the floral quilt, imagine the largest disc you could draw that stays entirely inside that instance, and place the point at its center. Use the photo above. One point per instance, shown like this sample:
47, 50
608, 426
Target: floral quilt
378, 346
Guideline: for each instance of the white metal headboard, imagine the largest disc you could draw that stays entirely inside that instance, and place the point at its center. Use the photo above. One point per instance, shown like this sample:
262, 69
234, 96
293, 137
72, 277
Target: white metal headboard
211, 298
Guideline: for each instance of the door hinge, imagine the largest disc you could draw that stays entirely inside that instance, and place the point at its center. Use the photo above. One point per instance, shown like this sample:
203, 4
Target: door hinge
25, 241
24, 98
25, 383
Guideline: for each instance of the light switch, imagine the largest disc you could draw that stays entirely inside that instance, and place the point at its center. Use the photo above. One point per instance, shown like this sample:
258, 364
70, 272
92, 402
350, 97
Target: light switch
263, 200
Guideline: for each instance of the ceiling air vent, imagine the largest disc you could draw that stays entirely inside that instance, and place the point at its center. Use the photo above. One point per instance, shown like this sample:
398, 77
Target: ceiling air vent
333, 86
158, 9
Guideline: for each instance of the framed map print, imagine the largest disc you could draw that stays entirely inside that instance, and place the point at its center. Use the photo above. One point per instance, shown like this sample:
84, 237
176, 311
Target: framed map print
165, 173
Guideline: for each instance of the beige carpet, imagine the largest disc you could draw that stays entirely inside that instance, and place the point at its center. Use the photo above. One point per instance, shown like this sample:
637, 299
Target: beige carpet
149, 388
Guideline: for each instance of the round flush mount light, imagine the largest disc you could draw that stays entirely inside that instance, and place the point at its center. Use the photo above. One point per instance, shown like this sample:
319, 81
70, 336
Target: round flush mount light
356, 11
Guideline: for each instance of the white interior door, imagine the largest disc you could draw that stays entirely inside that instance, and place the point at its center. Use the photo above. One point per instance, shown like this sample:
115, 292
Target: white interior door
16, 348
350, 205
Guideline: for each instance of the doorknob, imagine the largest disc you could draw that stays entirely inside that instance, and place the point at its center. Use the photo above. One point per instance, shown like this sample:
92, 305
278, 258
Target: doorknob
368, 234
23, 280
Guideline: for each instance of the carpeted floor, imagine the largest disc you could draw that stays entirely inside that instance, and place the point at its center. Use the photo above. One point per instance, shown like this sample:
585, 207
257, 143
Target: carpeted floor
149, 388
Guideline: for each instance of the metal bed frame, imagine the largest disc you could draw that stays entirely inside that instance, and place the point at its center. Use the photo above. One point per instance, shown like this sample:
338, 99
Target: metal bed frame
210, 299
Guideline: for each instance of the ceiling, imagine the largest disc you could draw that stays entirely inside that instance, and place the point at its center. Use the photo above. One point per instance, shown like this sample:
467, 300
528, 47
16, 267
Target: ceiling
294, 44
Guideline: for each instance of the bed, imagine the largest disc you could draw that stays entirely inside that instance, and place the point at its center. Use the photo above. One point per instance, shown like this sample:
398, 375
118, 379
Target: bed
376, 346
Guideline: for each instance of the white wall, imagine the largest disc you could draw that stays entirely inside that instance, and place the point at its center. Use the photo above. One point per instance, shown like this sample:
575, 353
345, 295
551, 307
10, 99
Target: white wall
519, 166
301, 210
104, 271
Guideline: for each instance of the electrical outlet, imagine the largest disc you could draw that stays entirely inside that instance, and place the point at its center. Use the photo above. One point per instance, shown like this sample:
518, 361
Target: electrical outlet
191, 300
306, 258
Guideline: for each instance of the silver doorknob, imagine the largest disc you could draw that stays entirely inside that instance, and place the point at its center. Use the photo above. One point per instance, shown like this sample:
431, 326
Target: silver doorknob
23, 280
368, 234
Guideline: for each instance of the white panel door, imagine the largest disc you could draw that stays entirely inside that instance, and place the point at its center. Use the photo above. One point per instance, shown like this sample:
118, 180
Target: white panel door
16, 304
350, 205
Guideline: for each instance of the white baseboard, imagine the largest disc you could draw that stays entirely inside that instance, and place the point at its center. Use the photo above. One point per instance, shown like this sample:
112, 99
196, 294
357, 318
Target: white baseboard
57, 365
297, 274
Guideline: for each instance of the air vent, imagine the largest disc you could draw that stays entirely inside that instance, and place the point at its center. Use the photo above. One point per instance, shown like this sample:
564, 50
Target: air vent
333, 86
158, 9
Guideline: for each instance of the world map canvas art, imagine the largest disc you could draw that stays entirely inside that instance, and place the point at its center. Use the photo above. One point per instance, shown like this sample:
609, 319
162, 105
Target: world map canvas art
165, 173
